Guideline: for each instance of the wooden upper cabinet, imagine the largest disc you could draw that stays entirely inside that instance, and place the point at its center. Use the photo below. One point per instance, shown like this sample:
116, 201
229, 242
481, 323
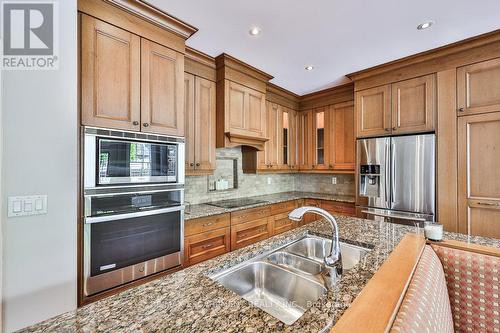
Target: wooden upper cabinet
321, 138
200, 124
342, 157
255, 113
292, 134
205, 123
241, 104
373, 111
162, 90
414, 105
478, 87
129, 82
287, 140
479, 174
111, 70
189, 96
305, 141
280, 150
236, 100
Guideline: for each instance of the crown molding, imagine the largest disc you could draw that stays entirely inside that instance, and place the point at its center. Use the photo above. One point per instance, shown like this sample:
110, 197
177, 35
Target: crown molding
155, 16
225, 60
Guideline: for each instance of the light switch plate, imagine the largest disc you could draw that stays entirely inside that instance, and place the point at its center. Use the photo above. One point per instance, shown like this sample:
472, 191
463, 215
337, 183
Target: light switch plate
334, 180
27, 205
268, 180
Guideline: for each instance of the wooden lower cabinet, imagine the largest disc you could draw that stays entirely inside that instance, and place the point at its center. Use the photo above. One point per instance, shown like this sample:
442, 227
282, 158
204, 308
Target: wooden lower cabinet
209, 237
207, 245
248, 233
478, 175
281, 223
339, 208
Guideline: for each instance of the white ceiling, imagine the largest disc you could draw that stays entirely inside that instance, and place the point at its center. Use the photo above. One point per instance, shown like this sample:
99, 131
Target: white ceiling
337, 37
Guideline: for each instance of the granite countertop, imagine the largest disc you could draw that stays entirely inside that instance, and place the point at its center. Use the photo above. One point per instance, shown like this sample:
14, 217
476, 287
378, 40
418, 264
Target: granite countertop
204, 210
189, 301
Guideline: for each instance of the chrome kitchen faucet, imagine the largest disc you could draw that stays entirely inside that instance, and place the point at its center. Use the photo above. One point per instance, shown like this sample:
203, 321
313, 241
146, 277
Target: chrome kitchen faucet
333, 261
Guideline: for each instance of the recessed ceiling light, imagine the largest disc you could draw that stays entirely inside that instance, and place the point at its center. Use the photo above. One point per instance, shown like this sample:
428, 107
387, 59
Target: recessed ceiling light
309, 68
425, 25
255, 31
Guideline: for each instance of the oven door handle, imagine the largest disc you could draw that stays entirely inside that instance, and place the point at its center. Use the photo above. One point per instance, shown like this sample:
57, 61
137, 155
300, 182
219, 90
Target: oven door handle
108, 218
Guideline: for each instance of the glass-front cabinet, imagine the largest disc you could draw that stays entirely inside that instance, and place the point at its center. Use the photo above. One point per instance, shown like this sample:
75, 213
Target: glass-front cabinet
321, 139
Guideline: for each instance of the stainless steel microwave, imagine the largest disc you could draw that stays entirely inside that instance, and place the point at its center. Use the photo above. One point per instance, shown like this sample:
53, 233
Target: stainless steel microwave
114, 158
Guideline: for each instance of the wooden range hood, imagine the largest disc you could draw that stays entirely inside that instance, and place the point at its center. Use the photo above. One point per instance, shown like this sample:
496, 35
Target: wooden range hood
241, 104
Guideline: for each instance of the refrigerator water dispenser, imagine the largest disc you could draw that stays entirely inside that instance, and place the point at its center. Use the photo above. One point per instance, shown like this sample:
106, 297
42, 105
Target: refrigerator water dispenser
369, 184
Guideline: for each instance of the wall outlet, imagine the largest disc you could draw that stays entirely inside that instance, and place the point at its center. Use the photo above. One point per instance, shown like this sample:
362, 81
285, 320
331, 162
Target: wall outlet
334, 180
268, 180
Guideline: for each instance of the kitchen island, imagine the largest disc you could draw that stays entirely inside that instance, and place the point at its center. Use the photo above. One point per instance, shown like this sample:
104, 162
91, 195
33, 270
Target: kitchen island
189, 301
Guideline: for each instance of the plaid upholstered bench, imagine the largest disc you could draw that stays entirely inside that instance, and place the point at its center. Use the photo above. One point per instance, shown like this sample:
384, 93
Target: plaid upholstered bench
453, 287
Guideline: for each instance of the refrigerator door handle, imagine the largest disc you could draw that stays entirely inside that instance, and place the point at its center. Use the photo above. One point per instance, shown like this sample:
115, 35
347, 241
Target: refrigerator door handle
393, 172
387, 175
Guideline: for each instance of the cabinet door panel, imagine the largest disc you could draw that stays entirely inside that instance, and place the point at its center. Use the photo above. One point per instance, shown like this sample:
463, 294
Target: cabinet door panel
236, 104
204, 121
479, 188
478, 87
162, 90
248, 233
189, 95
343, 140
373, 111
207, 245
281, 223
413, 105
256, 113
110, 76
292, 140
321, 139
305, 140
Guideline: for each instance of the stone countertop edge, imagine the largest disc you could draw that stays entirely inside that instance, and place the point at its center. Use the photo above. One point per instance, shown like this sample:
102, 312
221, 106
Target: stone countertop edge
189, 301
204, 209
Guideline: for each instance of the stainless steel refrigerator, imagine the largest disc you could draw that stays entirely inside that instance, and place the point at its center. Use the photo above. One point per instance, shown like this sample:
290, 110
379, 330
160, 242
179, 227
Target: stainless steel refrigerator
397, 180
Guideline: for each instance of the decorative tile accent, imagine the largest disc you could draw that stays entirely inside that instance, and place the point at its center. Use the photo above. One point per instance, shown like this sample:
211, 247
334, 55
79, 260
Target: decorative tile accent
197, 187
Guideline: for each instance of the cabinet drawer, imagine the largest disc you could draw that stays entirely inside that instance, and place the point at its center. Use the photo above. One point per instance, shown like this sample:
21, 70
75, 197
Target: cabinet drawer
204, 224
281, 223
248, 215
283, 207
206, 245
341, 208
248, 233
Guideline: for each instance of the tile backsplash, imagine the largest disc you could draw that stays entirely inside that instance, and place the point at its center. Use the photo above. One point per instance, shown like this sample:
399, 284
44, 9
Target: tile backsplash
199, 188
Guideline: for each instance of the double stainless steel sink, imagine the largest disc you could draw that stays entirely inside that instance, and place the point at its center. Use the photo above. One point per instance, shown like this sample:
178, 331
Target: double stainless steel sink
287, 281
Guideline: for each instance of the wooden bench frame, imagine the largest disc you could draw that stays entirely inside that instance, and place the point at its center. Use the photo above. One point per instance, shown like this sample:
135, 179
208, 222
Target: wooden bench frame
376, 307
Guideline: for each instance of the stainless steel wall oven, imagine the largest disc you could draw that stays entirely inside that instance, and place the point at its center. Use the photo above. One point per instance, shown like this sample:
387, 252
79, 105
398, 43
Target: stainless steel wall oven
133, 219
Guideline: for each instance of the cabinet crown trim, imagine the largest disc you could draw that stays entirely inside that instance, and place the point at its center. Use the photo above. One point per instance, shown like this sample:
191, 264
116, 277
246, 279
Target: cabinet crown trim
155, 16
225, 60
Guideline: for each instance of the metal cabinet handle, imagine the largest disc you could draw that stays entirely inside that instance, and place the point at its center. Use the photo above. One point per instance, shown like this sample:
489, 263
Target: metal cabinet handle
461, 110
488, 204
141, 269
206, 246
191, 164
394, 128
387, 129
135, 123
208, 224
198, 164
145, 124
